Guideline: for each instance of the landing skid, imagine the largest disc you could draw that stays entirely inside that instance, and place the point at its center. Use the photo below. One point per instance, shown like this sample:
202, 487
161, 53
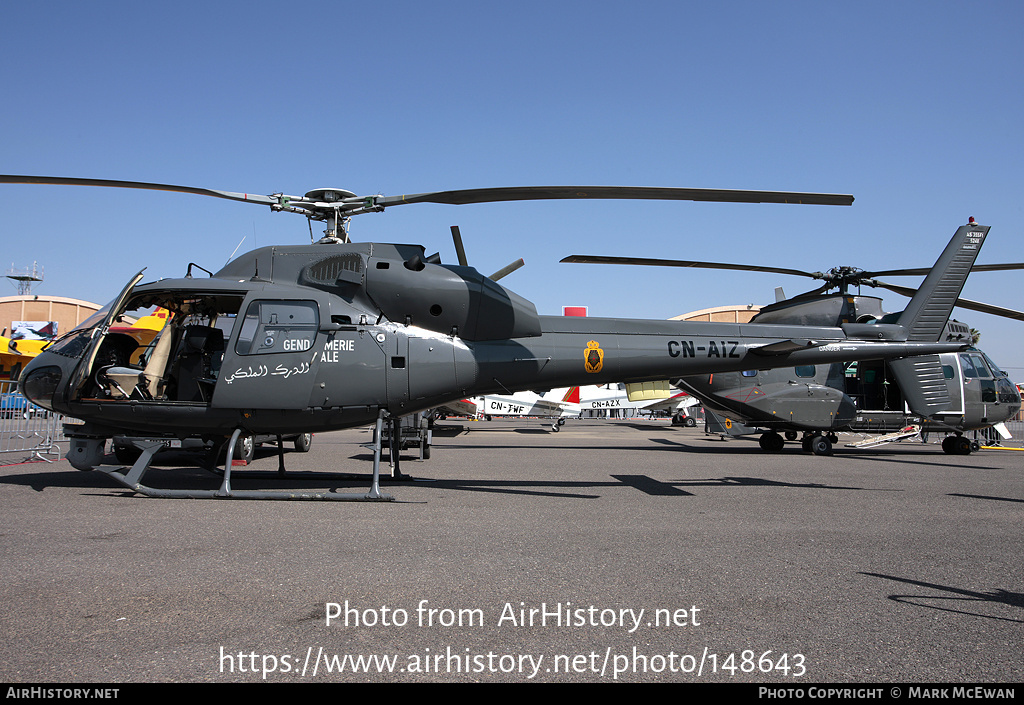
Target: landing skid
149, 447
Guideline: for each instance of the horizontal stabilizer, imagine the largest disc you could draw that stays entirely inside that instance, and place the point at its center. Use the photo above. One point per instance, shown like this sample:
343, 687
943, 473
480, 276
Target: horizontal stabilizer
725, 426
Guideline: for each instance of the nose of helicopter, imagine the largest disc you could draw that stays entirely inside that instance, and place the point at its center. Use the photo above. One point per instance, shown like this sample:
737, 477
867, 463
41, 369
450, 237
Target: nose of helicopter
42, 378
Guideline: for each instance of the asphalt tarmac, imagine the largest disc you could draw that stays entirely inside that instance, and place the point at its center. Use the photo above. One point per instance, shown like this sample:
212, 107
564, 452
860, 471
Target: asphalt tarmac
625, 551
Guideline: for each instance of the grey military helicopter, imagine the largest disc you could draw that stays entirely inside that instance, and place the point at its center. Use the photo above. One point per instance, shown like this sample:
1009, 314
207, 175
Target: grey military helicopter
818, 401
951, 392
336, 334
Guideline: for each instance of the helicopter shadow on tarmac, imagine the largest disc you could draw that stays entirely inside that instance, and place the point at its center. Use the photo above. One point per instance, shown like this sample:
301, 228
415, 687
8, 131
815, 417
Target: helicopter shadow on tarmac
987, 497
951, 595
643, 483
53, 477
171, 476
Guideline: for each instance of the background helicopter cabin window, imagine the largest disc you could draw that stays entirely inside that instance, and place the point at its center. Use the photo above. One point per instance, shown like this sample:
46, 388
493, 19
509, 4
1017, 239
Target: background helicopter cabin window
749, 373
974, 367
278, 327
996, 371
804, 371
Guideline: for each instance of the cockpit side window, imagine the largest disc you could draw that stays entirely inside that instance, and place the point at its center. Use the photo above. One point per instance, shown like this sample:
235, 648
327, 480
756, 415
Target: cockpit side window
979, 364
278, 327
74, 343
996, 371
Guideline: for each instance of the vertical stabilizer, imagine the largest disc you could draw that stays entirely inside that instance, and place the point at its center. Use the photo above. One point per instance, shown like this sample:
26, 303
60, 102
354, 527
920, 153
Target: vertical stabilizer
929, 310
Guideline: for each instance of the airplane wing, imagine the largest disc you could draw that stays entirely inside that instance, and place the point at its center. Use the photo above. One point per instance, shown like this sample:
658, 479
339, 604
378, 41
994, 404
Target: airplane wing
673, 403
461, 407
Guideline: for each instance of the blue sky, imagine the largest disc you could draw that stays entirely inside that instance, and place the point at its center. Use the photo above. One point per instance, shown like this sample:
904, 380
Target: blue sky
913, 107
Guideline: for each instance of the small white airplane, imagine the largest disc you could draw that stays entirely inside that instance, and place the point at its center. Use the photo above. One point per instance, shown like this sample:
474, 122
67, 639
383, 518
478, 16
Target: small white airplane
648, 397
557, 404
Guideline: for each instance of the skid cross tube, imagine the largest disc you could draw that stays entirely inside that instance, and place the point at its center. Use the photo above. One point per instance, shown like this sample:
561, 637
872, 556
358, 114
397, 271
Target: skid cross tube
149, 447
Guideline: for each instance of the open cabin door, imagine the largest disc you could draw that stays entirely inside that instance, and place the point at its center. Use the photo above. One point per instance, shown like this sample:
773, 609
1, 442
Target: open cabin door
84, 370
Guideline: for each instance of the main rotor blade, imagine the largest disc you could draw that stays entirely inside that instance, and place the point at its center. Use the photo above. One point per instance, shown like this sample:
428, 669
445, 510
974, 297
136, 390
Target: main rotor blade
539, 193
654, 262
70, 181
346, 203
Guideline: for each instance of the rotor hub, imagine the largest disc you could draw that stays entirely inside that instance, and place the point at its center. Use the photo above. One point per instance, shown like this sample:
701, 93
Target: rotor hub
329, 195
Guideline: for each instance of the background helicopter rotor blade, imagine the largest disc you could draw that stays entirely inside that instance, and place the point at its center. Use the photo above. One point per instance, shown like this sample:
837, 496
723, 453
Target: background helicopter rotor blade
834, 278
507, 269
537, 193
654, 262
813, 292
923, 271
962, 303
847, 274
460, 250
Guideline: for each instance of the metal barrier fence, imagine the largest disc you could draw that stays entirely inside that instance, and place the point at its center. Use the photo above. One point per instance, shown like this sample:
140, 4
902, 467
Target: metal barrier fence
27, 429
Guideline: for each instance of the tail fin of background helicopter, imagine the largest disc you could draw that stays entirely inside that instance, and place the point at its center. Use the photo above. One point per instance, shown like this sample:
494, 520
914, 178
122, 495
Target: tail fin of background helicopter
929, 309
921, 378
